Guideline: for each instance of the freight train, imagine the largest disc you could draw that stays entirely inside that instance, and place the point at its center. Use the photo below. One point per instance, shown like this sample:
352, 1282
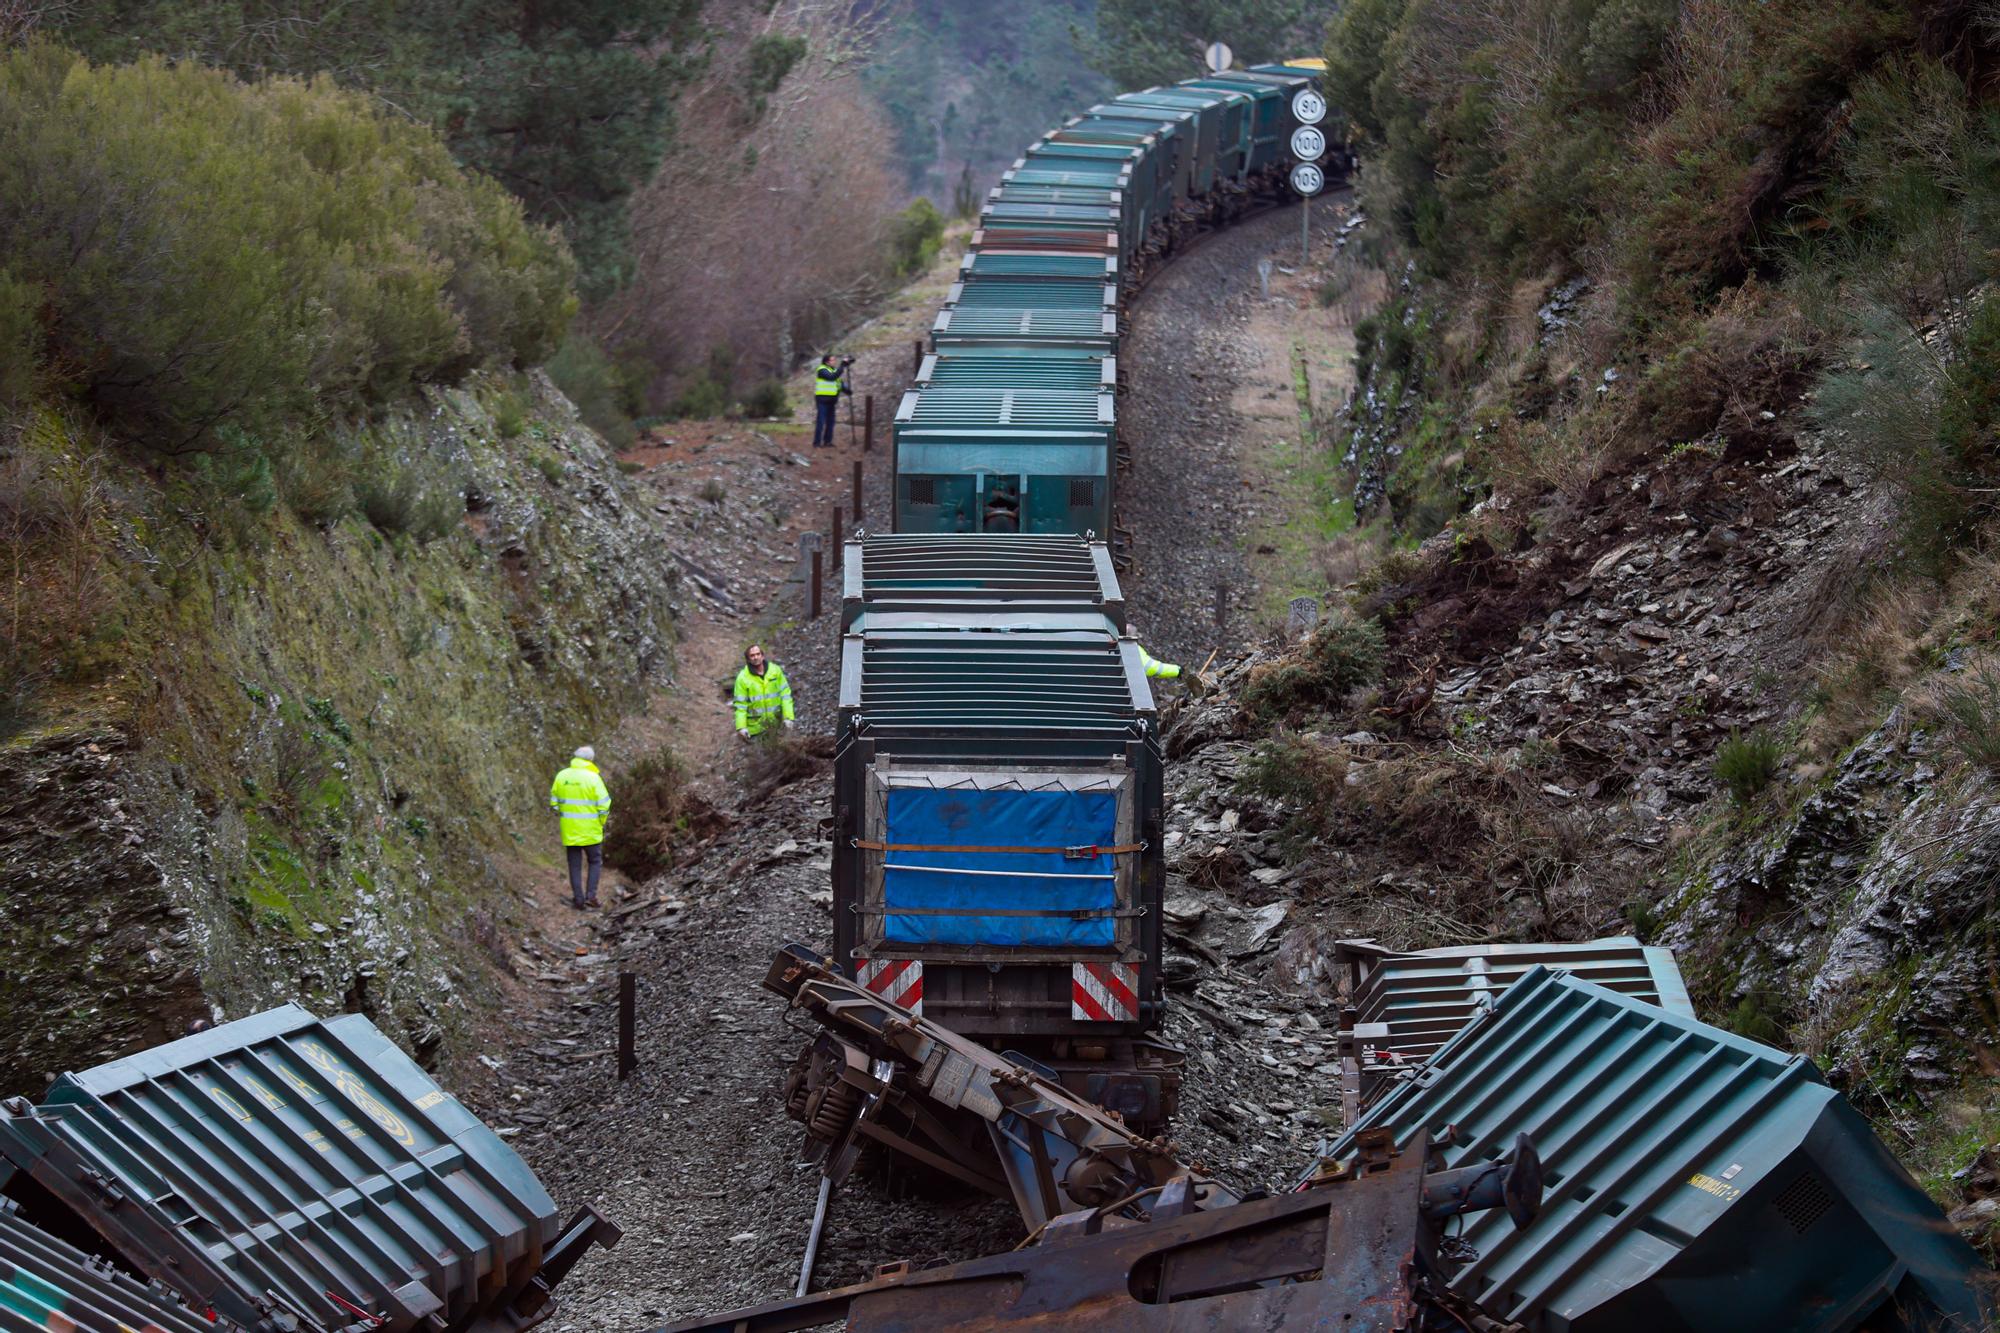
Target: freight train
998, 787
1012, 425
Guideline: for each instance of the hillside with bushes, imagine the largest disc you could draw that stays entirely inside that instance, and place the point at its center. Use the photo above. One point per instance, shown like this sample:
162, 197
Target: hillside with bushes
311, 573
1669, 474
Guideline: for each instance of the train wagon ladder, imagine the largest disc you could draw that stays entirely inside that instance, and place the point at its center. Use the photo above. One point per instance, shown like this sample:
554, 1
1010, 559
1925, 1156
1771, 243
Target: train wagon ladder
897, 980
1104, 993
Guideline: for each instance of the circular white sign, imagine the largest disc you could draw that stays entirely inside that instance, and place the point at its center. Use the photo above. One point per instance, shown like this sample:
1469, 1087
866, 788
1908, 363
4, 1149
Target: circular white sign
1308, 107
1308, 144
1308, 179
1220, 57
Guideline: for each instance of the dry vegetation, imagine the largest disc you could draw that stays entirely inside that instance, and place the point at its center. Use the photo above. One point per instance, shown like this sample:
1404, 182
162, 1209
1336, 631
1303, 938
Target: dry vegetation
765, 230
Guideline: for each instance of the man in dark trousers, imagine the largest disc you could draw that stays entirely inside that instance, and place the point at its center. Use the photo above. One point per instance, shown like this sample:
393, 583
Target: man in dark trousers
827, 388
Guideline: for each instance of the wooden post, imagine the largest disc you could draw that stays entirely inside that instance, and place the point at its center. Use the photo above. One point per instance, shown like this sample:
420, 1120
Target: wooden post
814, 613
628, 1022
857, 490
867, 435
916, 358
837, 542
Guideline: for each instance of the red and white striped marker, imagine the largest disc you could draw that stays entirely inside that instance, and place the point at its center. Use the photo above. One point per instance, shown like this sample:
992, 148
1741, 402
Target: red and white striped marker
897, 980
1104, 993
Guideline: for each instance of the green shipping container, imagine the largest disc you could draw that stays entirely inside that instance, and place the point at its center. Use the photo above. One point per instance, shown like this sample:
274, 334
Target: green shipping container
972, 458
284, 1167
1695, 1181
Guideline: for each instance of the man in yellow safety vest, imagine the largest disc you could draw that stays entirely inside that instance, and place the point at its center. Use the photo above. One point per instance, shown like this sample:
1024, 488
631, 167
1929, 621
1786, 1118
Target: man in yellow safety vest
762, 696
827, 389
583, 803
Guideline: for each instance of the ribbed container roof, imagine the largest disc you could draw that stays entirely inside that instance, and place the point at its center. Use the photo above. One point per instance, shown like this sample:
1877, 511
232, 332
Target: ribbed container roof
976, 566
1030, 368
1080, 214
1670, 1150
285, 1154
1024, 293
1426, 997
1100, 241
1025, 193
1006, 323
1056, 685
956, 408
1075, 179
1003, 264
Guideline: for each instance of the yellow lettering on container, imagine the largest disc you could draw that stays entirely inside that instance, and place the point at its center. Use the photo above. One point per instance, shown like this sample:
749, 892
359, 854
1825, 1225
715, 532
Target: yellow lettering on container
1720, 1189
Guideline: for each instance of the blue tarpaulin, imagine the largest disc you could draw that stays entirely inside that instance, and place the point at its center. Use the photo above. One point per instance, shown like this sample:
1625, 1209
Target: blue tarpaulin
1006, 881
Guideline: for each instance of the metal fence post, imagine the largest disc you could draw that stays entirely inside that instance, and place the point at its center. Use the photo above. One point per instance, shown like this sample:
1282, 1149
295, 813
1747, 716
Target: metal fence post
814, 613
867, 435
837, 542
857, 490
628, 1021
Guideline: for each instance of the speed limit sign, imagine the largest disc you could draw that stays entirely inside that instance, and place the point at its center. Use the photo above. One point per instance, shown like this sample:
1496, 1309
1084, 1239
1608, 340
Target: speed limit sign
1308, 179
1308, 107
1308, 144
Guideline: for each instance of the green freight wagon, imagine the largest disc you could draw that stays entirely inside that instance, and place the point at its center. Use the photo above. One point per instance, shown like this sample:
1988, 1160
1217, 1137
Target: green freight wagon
281, 1168
1695, 1181
997, 797
1221, 129
986, 457
1271, 121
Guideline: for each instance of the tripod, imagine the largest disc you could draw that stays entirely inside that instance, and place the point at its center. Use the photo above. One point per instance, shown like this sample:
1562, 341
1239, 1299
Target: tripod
847, 391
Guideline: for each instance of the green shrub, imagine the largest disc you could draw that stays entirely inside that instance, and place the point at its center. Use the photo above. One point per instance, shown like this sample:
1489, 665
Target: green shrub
550, 467
510, 415
1746, 765
20, 340
1341, 655
397, 502
767, 400
713, 491
772, 57
658, 813
915, 236
1971, 705
602, 391
282, 250
699, 399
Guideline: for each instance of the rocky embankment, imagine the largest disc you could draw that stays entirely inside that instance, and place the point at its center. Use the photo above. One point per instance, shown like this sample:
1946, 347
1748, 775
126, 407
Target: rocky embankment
317, 772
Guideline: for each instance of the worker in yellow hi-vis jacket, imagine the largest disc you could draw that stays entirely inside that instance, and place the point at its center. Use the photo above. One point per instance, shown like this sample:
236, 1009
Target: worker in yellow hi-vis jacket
583, 803
763, 697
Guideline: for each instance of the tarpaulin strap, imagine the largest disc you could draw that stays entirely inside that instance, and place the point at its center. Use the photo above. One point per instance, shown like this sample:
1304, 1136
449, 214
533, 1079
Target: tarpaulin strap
1002, 874
1081, 853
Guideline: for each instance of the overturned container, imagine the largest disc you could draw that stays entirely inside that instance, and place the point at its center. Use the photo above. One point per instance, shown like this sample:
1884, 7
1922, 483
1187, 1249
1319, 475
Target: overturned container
290, 1173
1694, 1179
1402, 1005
